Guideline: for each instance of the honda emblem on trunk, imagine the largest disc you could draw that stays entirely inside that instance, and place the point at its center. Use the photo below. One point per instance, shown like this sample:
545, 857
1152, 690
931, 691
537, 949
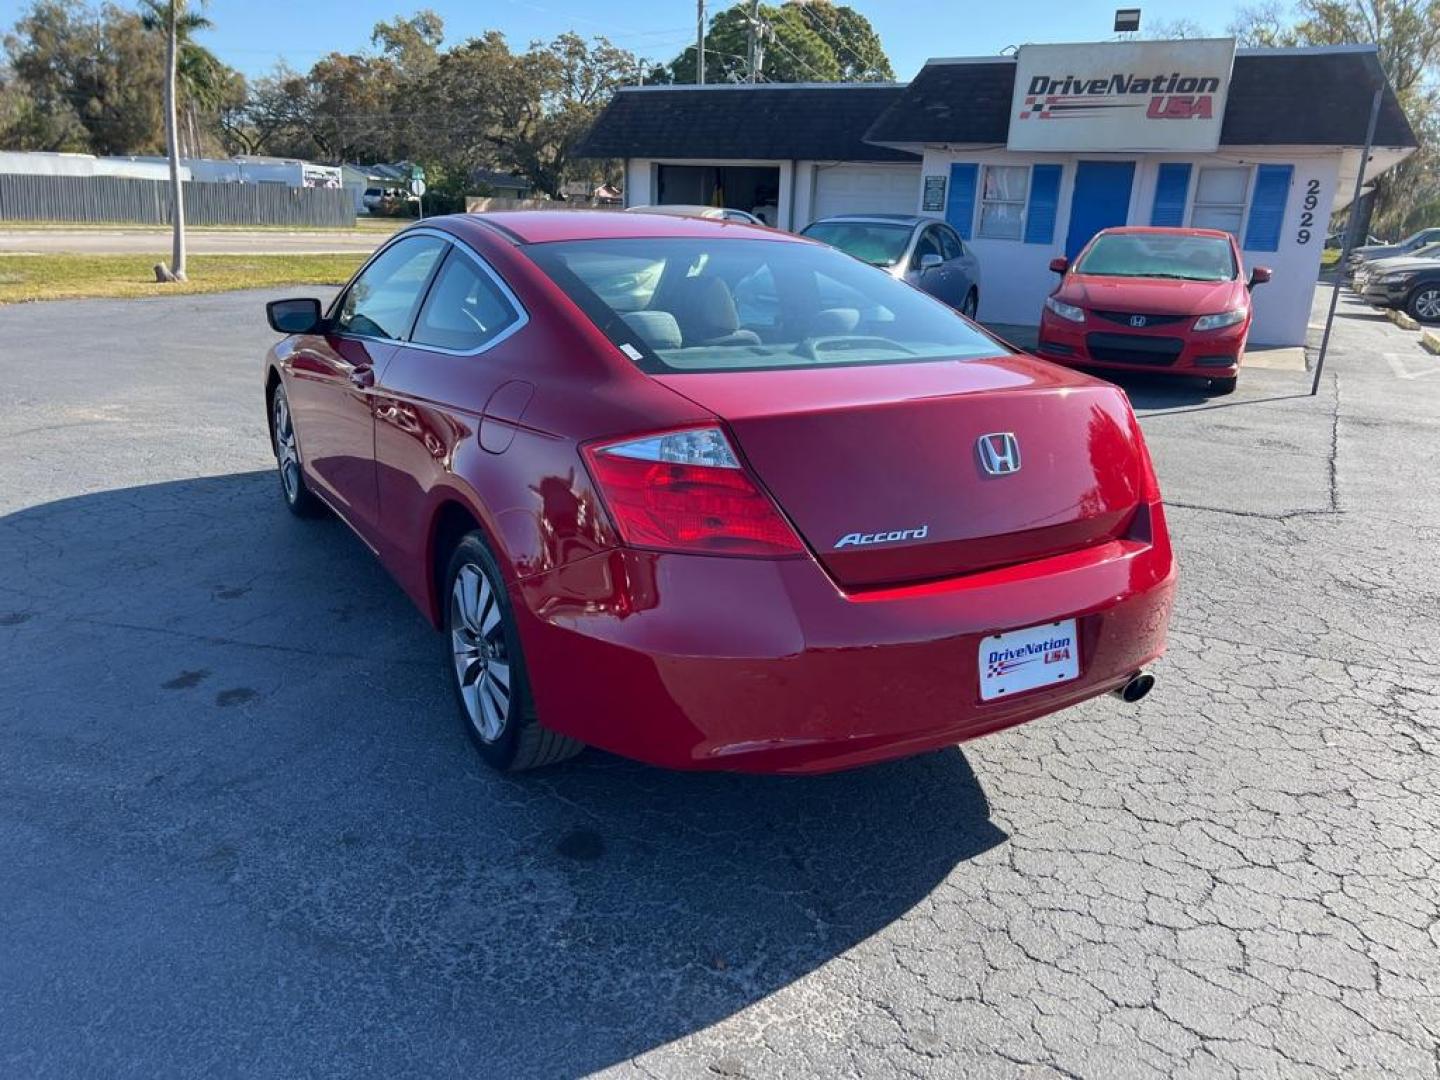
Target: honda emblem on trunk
999, 453
1137, 320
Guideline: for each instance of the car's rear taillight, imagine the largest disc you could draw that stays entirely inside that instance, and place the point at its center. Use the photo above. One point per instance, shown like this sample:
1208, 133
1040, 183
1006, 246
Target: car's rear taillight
1149, 484
686, 490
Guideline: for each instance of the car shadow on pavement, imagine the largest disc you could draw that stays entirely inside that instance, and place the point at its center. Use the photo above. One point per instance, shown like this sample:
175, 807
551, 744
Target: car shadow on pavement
245, 832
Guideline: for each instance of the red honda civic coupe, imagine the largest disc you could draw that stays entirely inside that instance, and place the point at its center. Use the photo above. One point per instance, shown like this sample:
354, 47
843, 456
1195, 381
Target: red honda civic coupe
1153, 299
714, 496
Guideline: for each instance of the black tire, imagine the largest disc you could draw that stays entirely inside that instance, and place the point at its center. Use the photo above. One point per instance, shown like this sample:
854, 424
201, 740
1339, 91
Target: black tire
970, 305
1223, 386
298, 497
1423, 305
520, 742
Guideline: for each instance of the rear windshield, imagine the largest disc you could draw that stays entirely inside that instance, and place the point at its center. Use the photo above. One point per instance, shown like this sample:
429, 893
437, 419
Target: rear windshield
713, 304
868, 241
1162, 255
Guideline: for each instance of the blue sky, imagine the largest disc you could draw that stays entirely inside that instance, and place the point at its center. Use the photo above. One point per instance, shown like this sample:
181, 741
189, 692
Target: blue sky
251, 34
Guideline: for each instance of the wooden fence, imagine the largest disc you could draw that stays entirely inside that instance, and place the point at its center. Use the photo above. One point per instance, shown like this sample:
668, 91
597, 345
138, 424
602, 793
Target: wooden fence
104, 199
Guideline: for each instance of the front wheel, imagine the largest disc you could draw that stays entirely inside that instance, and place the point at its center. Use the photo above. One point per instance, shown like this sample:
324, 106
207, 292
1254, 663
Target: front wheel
487, 669
1424, 304
970, 305
298, 497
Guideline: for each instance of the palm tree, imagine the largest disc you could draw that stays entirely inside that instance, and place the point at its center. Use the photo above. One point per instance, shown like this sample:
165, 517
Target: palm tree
179, 24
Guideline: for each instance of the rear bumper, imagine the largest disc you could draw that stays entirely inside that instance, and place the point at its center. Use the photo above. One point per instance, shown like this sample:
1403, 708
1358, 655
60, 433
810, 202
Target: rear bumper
1212, 354
765, 666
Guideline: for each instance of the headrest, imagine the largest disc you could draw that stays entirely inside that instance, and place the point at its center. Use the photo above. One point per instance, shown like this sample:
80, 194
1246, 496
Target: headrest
706, 308
657, 329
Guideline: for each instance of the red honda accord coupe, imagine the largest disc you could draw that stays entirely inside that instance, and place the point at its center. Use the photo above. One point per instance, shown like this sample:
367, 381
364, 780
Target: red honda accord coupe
1153, 299
714, 496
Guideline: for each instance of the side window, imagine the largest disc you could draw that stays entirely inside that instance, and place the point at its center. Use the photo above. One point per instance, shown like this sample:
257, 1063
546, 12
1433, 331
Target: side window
465, 308
383, 299
929, 245
1002, 201
1220, 199
950, 244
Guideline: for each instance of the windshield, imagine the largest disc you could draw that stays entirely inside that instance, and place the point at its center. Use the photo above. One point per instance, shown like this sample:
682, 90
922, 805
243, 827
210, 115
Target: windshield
872, 242
1159, 255
712, 304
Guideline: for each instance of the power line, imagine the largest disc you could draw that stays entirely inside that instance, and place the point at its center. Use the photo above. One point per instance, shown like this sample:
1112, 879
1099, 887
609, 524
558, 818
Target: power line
790, 53
818, 24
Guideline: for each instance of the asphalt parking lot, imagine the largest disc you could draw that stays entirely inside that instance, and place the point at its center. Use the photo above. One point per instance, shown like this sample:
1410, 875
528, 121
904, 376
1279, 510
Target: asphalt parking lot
242, 833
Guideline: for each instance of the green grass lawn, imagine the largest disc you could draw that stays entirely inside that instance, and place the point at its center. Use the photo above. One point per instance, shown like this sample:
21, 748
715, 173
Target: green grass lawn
365, 225
68, 277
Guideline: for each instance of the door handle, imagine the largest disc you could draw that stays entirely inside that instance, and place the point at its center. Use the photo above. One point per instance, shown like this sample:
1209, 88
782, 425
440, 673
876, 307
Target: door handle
363, 378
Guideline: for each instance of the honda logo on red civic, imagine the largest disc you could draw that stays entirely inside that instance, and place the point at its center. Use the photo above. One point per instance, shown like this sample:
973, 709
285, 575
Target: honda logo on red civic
999, 453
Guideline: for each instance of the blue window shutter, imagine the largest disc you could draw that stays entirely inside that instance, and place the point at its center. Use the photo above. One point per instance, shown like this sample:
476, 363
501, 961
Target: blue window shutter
960, 204
1044, 199
1172, 189
1267, 207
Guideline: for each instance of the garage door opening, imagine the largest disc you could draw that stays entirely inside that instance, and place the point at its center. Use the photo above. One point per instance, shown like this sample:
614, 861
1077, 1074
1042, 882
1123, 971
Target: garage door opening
752, 188
866, 189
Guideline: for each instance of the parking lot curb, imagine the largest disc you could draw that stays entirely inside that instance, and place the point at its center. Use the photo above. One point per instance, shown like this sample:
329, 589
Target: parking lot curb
1402, 320
1430, 341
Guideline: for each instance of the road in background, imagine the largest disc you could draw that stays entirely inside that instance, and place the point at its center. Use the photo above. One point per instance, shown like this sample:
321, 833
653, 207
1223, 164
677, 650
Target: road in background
243, 834
111, 241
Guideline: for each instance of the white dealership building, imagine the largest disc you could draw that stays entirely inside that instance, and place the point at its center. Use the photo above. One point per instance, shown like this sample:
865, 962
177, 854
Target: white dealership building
1027, 156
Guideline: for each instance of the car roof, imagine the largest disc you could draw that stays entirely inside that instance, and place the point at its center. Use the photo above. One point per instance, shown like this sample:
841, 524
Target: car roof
1165, 230
887, 219
553, 226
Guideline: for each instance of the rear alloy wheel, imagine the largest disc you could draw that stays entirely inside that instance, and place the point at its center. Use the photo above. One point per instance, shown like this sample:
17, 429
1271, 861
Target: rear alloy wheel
971, 304
1424, 304
487, 669
287, 457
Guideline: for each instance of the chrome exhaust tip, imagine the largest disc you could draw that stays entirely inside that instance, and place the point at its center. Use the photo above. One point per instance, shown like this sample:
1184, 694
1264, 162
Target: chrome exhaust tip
1135, 688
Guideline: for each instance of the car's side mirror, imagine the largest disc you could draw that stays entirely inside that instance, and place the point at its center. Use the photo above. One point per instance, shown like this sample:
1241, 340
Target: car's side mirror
300, 315
929, 261
1259, 276
1060, 264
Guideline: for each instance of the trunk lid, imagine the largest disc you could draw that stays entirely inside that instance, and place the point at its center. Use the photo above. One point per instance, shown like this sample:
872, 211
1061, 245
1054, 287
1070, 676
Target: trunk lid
880, 471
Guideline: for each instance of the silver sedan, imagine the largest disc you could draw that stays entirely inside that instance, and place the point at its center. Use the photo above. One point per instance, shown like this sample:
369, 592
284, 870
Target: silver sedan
929, 254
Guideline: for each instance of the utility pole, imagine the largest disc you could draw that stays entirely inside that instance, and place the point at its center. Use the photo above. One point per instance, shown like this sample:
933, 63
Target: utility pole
700, 42
176, 270
754, 51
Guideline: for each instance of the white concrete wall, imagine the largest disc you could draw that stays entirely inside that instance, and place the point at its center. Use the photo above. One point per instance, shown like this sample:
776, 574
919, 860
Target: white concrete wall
802, 209
48, 164
225, 171
639, 182
1015, 276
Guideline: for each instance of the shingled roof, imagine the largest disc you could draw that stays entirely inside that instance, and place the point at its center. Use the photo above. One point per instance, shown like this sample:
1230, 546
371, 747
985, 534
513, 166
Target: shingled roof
769, 121
1278, 97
